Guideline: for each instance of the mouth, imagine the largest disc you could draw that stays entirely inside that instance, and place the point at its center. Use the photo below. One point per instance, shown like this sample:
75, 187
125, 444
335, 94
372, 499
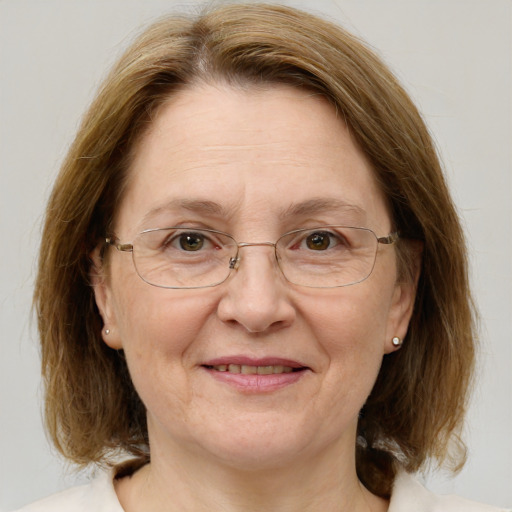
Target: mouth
246, 369
256, 375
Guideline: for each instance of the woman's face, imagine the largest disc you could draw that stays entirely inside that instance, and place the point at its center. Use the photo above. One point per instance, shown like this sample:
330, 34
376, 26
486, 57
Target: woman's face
254, 164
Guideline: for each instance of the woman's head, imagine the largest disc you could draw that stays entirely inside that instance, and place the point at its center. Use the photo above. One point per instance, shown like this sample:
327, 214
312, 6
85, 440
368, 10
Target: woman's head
258, 371
92, 407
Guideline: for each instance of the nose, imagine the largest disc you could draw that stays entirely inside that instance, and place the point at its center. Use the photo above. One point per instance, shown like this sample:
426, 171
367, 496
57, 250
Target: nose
256, 296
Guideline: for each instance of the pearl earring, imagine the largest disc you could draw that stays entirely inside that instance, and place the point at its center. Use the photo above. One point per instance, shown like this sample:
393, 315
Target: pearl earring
107, 331
397, 342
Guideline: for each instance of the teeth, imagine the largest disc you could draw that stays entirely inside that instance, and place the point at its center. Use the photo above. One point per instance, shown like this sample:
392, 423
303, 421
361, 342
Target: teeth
249, 370
253, 370
265, 370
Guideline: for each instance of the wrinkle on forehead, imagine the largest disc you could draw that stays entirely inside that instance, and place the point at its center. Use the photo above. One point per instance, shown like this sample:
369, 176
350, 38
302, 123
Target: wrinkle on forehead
295, 210
185, 100
251, 156
225, 137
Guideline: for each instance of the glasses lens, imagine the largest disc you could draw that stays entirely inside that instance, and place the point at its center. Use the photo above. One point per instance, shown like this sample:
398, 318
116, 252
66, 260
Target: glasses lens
183, 257
327, 257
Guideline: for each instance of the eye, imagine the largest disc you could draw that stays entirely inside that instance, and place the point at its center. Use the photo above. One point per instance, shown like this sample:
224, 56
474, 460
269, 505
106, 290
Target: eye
320, 241
175, 242
191, 241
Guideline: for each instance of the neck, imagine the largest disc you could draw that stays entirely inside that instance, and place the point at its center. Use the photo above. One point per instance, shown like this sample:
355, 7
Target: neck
327, 482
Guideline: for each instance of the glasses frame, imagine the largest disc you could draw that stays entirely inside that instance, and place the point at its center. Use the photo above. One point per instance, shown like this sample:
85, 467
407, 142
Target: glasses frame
234, 261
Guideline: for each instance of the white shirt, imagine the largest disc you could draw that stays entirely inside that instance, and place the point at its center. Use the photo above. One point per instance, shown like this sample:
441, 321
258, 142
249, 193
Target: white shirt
99, 496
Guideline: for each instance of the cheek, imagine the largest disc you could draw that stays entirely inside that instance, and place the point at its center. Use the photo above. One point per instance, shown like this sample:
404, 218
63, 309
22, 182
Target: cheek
160, 320
158, 330
151, 319
350, 330
353, 318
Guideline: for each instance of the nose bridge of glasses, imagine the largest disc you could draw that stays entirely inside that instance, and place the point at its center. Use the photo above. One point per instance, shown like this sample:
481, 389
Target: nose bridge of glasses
250, 244
234, 262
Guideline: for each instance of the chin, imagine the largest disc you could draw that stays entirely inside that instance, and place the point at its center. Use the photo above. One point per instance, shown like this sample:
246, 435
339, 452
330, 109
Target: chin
264, 445
257, 456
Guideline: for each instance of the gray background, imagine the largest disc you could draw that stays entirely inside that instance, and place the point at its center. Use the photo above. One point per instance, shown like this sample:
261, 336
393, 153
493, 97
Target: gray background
454, 56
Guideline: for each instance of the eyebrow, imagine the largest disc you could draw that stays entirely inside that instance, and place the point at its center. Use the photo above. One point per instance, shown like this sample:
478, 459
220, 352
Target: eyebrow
194, 205
321, 205
309, 207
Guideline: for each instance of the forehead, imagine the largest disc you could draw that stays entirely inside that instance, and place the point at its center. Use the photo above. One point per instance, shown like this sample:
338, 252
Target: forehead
248, 154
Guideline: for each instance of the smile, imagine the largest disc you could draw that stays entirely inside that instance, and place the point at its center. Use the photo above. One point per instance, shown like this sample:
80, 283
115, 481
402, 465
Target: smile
256, 375
253, 370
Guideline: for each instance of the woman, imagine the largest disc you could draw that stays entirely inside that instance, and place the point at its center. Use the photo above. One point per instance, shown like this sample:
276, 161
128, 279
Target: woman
293, 328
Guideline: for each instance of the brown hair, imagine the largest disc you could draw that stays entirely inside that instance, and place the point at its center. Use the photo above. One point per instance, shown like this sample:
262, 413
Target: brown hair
419, 399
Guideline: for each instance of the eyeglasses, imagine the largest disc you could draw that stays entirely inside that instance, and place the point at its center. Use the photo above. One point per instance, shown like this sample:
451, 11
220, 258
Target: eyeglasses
321, 257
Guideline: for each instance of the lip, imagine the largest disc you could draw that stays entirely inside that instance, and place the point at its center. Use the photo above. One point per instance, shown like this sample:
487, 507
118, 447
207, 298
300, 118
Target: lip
251, 361
256, 384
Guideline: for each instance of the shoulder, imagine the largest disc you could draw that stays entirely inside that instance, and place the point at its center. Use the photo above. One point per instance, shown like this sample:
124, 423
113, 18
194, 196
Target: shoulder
98, 495
408, 494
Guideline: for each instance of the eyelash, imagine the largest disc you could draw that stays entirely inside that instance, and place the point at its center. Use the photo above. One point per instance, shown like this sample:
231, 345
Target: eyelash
334, 240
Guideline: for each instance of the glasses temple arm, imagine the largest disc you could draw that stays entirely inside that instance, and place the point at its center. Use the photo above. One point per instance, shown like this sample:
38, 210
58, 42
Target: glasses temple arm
120, 247
390, 239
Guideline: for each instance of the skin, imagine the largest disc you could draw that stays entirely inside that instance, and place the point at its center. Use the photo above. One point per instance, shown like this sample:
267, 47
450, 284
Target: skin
256, 153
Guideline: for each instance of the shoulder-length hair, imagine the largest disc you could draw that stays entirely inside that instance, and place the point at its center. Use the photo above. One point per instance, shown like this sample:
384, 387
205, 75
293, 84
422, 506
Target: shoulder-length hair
418, 402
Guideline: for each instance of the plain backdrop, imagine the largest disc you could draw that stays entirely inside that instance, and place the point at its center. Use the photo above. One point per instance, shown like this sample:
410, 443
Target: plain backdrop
454, 57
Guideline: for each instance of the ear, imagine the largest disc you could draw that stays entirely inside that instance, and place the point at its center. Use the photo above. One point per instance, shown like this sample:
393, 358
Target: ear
404, 297
104, 300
